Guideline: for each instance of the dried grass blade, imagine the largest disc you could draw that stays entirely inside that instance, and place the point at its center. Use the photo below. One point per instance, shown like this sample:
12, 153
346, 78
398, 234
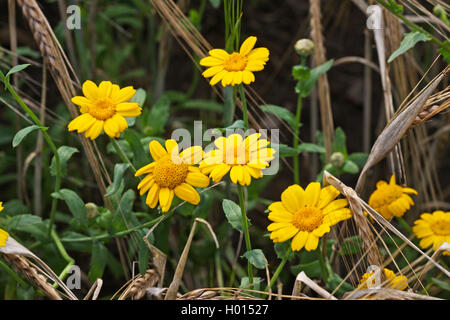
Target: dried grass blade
397, 128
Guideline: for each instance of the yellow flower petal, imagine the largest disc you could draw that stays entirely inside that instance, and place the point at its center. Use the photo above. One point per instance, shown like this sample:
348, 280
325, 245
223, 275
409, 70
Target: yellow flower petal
212, 71
90, 90
111, 128
299, 241
198, 180
156, 150
152, 196
3, 237
248, 77
104, 89
211, 62
94, 131
312, 194
145, 169
312, 242
247, 45
187, 193
218, 53
123, 94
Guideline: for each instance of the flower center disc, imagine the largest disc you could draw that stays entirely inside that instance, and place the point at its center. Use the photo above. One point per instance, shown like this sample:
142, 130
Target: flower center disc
441, 227
102, 109
235, 62
168, 174
308, 219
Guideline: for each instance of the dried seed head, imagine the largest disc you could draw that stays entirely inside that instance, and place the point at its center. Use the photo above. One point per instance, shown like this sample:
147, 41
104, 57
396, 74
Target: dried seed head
304, 47
91, 210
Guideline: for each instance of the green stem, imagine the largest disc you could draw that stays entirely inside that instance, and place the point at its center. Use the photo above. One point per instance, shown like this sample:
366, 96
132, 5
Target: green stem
121, 233
405, 225
323, 267
245, 230
122, 155
244, 105
229, 105
279, 268
50, 143
13, 275
64, 254
414, 26
295, 143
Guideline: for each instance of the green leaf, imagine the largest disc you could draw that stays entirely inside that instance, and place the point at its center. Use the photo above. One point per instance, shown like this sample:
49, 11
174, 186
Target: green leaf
280, 249
98, 260
335, 280
281, 112
312, 269
134, 141
304, 88
285, 151
301, 72
215, 3
159, 114
256, 258
74, 203
233, 214
65, 153
351, 245
408, 42
395, 7
21, 134
441, 284
350, 167
340, 142
445, 53
29, 223
144, 256
119, 171
16, 69
203, 105
310, 147
359, 158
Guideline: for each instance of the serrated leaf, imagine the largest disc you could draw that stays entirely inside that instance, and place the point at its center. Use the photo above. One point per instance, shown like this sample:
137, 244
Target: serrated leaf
233, 214
65, 153
16, 69
281, 112
74, 203
21, 134
408, 42
29, 223
98, 260
119, 171
256, 258
310, 147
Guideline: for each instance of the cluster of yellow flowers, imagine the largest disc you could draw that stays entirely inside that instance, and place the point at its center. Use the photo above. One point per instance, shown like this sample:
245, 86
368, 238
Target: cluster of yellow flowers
303, 215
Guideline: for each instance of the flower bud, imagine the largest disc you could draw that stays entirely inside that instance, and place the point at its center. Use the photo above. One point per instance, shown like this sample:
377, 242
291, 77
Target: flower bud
337, 159
304, 47
91, 210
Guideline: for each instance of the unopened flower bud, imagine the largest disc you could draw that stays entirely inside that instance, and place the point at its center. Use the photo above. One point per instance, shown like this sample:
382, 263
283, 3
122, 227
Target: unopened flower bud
337, 159
304, 47
91, 210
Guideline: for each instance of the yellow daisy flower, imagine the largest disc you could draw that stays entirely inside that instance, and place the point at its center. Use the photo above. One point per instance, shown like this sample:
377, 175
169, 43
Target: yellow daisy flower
104, 108
1, 206
237, 67
3, 237
393, 281
305, 215
172, 173
243, 158
433, 229
391, 199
